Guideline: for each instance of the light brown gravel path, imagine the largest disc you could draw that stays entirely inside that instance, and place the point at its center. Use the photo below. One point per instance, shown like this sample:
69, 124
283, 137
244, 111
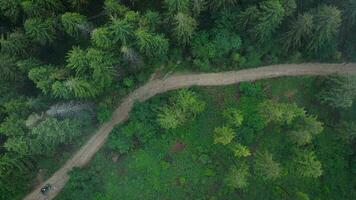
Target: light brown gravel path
85, 153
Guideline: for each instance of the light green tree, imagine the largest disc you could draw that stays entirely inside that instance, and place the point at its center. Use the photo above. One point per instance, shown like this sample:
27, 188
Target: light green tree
43, 77
101, 64
280, 112
237, 176
170, 118
61, 90
184, 28
77, 60
307, 165
82, 88
266, 167
150, 44
233, 117
101, 37
223, 135
189, 102
240, 150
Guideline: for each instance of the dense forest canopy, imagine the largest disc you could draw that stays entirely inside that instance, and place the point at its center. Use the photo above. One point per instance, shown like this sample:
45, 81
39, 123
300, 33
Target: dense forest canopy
65, 64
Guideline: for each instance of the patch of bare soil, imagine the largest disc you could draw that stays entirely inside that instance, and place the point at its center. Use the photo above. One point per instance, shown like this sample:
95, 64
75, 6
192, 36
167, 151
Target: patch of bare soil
177, 147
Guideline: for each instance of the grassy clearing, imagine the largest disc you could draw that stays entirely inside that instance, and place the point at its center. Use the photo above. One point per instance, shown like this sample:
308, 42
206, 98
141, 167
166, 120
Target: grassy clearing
185, 164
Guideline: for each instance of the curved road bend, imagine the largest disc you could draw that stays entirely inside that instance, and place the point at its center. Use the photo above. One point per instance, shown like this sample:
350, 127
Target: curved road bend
86, 152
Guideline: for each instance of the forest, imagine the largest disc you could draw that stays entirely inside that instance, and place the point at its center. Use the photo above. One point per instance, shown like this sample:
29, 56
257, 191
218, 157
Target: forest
65, 65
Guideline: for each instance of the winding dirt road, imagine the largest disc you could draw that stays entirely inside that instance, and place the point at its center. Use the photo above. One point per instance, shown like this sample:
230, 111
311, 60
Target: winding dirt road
83, 156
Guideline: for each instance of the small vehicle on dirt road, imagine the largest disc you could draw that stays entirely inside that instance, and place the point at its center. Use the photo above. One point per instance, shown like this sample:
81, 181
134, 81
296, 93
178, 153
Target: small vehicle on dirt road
46, 189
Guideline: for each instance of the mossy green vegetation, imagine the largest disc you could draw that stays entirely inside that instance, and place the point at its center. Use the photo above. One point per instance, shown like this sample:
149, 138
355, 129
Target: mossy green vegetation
263, 159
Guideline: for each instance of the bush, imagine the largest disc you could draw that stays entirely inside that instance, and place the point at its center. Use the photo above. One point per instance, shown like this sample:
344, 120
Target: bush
82, 184
120, 141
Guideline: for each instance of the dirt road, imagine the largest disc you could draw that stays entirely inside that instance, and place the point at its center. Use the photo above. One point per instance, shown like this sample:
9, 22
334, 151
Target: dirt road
83, 156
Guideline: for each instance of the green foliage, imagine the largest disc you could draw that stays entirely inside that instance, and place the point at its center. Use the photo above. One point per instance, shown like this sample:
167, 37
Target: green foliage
43, 77
114, 8
237, 177
233, 117
38, 8
300, 30
305, 129
102, 38
78, 4
121, 30
74, 23
188, 102
8, 68
307, 165
266, 167
13, 126
170, 118
41, 31
223, 135
240, 150
338, 91
289, 7
152, 20
269, 18
327, 23
251, 90
184, 105
302, 196
82, 88
222, 4
16, 43
280, 112
11, 9
51, 132
184, 29
151, 45
176, 6
77, 60
82, 183
104, 112
120, 141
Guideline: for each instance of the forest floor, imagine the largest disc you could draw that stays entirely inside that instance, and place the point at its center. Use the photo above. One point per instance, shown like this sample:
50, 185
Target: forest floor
153, 87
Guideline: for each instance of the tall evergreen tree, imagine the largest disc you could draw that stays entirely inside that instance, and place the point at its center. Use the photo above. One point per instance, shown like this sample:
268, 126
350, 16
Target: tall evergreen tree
184, 28
327, 21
